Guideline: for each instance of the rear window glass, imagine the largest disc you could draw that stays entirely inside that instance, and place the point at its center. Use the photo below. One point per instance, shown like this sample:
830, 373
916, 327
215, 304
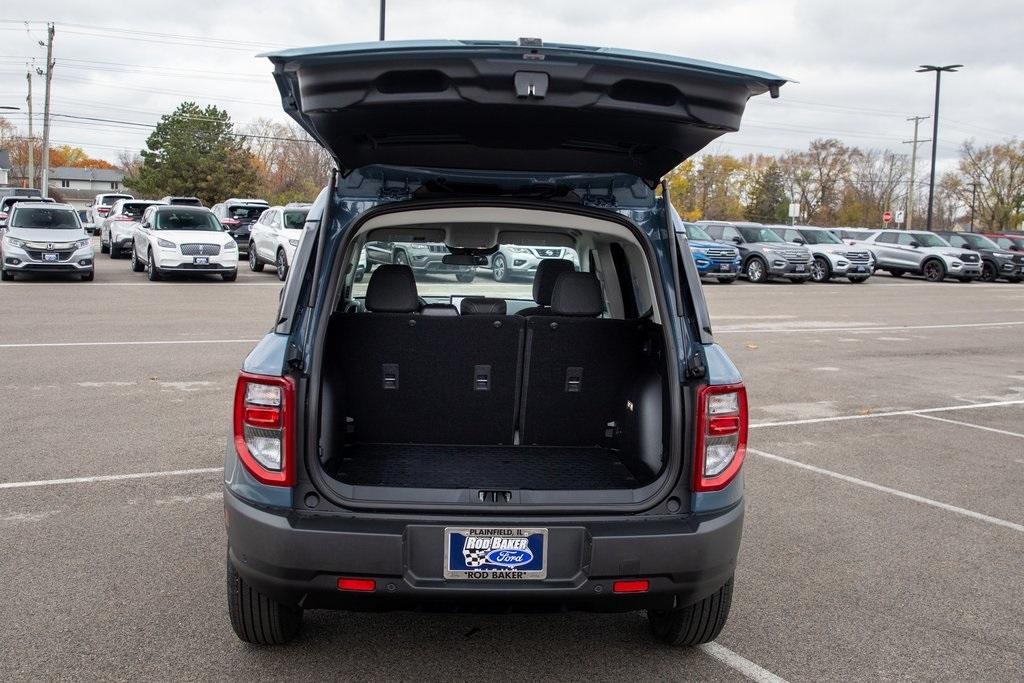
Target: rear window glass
134, 210
245, 212
508, 273
186, 220
185, 201
110, 199
44, 218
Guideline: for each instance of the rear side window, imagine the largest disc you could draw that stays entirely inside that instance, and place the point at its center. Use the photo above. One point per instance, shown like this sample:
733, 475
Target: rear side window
730, 233
887, 238
294, 220
134, 210
958, 241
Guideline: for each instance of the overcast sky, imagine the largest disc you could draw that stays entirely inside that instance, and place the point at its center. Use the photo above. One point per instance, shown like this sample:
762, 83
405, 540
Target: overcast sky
854, 60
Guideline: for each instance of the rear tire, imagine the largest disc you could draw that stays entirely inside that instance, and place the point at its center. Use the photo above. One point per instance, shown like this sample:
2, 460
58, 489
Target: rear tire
254, 260
88, 277
282, 265
966, 280
152, 272
694, 624
756, 270
115, 252
726, 280
105, 247
988, 272
858, 280
465, 277
500, 269
896, 273
256, 618
230, 277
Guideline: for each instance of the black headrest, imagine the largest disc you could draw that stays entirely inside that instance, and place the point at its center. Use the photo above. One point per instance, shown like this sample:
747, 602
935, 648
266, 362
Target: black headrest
577, 294
392, 289
441, 310
472, 305
547, 274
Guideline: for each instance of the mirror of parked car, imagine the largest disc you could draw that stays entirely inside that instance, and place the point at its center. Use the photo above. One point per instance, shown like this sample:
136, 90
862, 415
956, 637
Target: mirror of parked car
800, 240
915, 244
737, 240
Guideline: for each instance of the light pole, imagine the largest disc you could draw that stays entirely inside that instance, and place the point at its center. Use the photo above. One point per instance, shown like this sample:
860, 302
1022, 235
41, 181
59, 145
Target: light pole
935, 127
382, 4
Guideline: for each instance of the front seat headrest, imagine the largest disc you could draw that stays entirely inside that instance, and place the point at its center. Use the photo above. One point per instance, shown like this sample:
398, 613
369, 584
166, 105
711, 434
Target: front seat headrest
392, 289
577, 294
439, 310
481, 305
547, 274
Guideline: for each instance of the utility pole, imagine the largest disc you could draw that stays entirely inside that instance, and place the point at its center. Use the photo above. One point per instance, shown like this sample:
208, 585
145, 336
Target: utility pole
45, 161
31, 141
913, 165
382, 3
974, 197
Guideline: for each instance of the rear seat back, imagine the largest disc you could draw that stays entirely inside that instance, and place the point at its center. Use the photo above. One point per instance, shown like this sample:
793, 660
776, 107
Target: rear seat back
578, 367
409, 378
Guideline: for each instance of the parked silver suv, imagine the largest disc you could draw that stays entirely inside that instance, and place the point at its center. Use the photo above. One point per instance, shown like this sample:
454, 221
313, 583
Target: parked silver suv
922, 253
765, 255
832, 257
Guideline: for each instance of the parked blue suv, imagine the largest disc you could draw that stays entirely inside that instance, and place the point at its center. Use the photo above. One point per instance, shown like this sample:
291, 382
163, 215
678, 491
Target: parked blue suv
415, 442
716, 260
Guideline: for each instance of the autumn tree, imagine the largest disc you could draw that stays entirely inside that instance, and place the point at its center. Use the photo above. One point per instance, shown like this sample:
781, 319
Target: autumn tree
195, 151
292, 166
992, 178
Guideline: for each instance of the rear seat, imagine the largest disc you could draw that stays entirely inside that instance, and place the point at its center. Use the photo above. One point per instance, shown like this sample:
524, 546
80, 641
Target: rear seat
403, 375
577, 368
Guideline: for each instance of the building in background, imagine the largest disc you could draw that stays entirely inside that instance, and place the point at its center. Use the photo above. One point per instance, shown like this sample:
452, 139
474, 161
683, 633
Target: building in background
5, 167
79, 186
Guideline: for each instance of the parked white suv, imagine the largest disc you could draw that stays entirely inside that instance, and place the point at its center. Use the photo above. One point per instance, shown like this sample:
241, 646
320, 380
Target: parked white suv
117, 230
832, 256
922, 253
275, 236
185, 240
46, 238
100, 206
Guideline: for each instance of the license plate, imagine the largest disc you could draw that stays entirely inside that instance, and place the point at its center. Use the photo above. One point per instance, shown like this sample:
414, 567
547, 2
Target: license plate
859, 269
495, 554
725, 268
799, 269
49, 256
201, 260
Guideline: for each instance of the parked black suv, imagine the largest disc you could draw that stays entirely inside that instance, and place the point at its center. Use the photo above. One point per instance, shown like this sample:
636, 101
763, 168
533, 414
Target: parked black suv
238, 216
404, 449
996, 262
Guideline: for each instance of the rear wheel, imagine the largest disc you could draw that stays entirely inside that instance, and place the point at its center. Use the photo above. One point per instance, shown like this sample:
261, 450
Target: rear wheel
934, 271
115, 251
254, 260
230, 277
500, 268
821, 271
757, 270
282, 265
694, 624
105, 247
1016, 280
400, 258
137, 265
256, 618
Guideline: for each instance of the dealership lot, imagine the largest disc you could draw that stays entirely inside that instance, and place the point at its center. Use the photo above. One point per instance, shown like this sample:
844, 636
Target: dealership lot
884, 529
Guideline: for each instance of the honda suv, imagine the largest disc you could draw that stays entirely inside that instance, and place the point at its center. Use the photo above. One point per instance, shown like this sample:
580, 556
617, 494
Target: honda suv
415, 442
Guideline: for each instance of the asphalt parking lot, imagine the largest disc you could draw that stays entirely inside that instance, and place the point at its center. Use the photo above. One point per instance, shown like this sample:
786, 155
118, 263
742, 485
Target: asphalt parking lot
884, 529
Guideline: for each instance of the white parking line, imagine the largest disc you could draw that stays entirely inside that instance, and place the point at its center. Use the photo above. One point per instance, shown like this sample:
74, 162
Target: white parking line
887, 328
107, 477
129, 343
741, 664
968, 424
890, 413
895, 492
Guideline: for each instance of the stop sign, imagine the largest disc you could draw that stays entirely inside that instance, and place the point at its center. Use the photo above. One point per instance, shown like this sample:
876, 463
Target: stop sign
887, 216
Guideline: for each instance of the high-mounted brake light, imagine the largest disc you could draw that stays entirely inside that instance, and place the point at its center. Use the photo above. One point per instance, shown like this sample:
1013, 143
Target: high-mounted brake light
264, 427
721, 436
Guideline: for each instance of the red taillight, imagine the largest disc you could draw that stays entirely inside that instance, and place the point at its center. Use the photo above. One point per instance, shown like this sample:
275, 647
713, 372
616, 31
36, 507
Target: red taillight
361, 585
124, 218
103, 210
721, 436
230, 221
264, 426
631, 586
3, 215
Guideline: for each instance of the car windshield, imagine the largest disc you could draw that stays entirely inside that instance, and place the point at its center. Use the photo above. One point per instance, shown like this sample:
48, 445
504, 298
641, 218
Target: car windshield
980, 242
695, 232
759, 234
507, 273
247, 213
927, 239
39, 218
819, 237
294, 220
186, 220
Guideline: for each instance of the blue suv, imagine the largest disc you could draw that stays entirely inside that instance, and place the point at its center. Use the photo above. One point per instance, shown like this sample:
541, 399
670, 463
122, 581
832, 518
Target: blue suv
416, 442
716, 260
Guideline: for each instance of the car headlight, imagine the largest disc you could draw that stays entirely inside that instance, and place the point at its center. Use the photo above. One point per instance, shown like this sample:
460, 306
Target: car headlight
519, 250
166, 245
229, 246
699, 250
14, 242
951, 254
294, 243
1005, 256
419, 247
82, 243
772, 250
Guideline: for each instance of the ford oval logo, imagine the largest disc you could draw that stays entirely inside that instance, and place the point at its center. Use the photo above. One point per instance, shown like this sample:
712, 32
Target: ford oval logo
510, 558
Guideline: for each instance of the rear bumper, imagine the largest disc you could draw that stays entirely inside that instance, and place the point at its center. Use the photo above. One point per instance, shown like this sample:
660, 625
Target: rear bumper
298, 560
